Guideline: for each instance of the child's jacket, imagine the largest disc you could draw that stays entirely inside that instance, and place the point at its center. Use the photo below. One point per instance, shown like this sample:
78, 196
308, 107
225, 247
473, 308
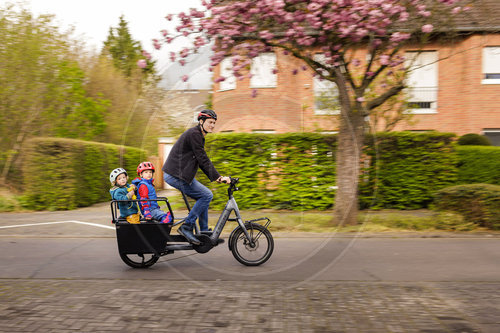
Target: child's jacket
126, 208
146, 190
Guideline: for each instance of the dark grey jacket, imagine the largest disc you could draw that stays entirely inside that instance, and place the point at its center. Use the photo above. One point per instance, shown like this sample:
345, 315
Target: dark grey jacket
187, 154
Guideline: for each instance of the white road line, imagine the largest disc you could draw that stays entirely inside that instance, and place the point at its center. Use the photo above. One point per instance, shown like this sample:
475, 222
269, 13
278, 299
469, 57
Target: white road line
58, 222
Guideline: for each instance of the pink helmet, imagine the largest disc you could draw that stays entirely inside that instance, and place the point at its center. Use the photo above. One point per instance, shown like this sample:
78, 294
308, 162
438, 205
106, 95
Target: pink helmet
145, 166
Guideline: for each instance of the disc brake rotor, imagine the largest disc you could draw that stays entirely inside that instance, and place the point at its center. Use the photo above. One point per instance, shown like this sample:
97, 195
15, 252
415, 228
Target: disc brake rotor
249, 247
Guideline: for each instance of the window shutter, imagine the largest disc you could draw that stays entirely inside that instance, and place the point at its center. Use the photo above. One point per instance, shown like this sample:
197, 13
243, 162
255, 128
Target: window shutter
491, 62
262, 71
422, 80
227, 72
325, 93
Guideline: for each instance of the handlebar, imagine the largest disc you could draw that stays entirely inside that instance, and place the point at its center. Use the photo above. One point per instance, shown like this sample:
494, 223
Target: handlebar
232, 186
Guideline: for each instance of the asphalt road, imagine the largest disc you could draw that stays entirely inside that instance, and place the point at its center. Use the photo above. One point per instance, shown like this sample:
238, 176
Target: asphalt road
60, 272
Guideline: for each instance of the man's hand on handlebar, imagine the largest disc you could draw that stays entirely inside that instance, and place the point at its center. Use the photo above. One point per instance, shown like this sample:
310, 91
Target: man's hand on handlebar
224, 179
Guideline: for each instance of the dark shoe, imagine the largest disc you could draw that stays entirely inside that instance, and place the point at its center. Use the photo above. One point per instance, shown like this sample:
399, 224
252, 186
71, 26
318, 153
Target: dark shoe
187, 232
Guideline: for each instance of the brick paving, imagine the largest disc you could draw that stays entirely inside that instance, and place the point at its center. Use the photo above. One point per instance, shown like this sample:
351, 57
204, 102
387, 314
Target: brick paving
61, 305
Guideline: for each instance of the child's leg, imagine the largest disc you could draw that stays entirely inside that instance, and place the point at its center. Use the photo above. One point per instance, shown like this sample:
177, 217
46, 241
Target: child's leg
161, 216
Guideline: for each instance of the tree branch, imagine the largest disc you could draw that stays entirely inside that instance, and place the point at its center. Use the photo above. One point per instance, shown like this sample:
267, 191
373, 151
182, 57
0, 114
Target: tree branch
385, 96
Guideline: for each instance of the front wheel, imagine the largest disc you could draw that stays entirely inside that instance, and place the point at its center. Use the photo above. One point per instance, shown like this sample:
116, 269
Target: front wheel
255, 251
139, 260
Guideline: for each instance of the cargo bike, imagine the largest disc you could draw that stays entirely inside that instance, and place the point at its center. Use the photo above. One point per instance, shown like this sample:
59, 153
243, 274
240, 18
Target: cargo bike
141, 245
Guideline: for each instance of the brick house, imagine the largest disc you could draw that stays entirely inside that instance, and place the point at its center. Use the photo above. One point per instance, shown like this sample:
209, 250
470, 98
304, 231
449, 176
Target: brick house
460, 93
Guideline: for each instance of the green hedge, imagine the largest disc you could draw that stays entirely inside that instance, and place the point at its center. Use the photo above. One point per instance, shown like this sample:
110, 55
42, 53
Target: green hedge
297, 171
405, 169
478, 203
478, 164
65, 173
284, 171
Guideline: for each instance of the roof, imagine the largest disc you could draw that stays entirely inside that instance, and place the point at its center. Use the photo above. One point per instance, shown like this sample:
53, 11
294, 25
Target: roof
483, 15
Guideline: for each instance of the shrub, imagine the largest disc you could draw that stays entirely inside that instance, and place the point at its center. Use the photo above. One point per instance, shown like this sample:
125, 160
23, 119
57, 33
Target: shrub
478, 203
65, 173
297, 170
478, 164
284, 171
405, 169
473, 139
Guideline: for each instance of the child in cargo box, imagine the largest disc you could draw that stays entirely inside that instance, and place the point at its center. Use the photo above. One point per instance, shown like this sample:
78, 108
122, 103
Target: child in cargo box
123, 191
146, 190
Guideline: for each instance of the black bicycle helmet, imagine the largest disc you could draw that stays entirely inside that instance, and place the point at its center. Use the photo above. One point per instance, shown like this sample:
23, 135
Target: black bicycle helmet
207, 113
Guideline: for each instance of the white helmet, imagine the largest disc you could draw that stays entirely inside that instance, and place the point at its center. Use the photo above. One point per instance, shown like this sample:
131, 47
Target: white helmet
115, 173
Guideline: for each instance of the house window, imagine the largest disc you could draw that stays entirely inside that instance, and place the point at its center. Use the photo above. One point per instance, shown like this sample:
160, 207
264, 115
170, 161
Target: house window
227, 72
326, 94
491, 65
262, 71
493, 134
422, 81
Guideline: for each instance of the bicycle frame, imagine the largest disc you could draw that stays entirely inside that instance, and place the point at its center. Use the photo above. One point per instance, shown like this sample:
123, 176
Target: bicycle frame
231, 206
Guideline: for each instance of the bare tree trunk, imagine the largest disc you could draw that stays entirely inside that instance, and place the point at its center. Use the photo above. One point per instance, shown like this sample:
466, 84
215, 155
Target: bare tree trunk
350, 143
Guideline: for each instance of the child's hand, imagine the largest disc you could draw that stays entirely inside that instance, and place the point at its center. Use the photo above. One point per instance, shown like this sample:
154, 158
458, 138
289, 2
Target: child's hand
131, 187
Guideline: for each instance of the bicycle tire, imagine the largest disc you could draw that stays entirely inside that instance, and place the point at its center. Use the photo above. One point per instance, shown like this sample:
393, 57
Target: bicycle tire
139, 260
249, 255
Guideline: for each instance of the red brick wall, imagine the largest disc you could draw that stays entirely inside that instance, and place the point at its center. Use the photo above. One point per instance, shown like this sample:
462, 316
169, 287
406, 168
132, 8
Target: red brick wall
464, 104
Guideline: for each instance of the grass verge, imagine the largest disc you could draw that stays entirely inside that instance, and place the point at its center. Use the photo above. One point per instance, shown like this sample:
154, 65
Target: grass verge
320, 221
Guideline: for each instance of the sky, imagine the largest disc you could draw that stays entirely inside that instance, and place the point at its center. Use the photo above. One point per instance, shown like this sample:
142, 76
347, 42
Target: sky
93, 18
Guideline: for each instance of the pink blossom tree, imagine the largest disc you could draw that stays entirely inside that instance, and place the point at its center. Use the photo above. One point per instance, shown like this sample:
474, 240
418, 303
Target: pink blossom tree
335, 28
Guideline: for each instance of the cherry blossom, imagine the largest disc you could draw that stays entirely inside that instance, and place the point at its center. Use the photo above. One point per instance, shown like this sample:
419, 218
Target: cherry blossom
301, 24
427, 28
141, 63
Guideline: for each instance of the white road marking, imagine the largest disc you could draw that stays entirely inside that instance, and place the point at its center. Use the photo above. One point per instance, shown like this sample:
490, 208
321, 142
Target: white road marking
58, 222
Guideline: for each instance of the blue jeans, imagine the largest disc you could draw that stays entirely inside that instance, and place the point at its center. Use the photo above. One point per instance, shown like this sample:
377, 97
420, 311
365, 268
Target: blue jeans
198, 192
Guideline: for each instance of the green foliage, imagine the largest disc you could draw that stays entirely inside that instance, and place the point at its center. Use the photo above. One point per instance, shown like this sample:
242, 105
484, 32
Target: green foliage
65, 173
125, 51
478, 203
246, 156
41, 86
286, 171
8, 204
473, 139
405, 169
297, 171
306, 169
75, 115
478, 164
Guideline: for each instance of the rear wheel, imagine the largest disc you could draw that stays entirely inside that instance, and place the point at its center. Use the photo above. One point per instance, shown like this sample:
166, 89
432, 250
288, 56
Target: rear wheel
255, 251
139, 260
